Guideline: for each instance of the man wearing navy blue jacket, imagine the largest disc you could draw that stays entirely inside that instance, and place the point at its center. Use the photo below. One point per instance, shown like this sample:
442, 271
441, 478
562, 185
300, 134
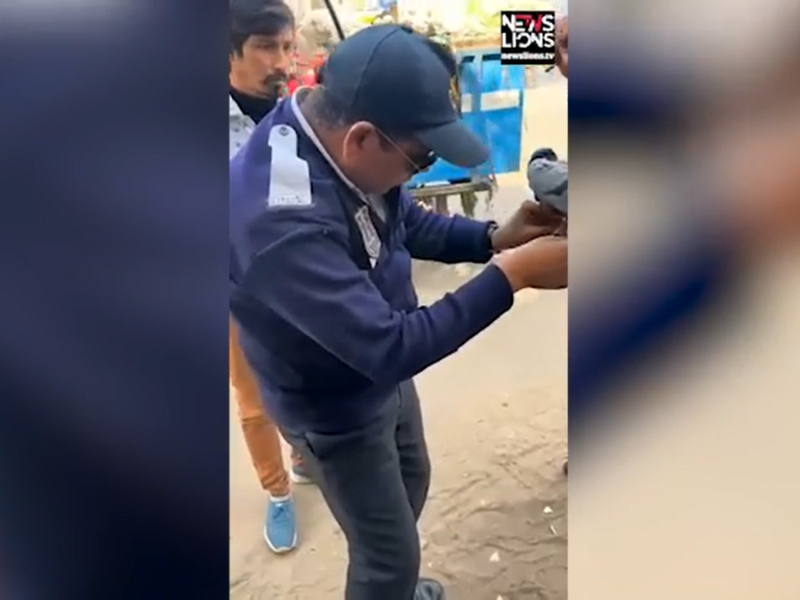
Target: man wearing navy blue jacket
322, 237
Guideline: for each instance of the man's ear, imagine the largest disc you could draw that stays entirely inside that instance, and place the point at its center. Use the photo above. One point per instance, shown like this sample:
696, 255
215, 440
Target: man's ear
359, 134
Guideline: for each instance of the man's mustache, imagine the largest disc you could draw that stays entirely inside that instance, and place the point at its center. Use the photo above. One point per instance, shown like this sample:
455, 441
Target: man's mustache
276, 79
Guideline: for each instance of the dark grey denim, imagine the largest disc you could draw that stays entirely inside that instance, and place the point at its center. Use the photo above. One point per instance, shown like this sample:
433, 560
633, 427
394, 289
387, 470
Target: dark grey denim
375, 480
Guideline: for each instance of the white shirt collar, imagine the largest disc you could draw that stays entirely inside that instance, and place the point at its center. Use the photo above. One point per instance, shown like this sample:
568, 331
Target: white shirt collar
316, 141
233, 108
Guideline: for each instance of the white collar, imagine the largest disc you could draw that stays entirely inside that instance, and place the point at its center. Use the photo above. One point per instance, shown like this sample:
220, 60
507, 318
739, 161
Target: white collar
233, 108
316, 141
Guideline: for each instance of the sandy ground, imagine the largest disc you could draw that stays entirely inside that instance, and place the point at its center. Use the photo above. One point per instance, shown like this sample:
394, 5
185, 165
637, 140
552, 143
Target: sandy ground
496, 416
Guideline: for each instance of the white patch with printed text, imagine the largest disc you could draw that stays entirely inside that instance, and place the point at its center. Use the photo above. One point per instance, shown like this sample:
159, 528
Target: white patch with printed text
289, 179
372, 242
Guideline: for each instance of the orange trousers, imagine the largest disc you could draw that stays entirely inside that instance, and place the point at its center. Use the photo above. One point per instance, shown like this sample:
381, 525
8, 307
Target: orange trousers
260, 433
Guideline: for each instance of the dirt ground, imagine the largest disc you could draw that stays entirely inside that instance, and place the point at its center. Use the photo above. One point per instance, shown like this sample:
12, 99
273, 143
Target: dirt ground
495, 526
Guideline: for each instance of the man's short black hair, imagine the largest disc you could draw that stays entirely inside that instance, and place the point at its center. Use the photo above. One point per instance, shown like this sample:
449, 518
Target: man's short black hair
257, 17
330, 113
327, 111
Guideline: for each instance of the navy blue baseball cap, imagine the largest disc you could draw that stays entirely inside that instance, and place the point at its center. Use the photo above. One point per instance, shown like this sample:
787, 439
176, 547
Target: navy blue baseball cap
391, 77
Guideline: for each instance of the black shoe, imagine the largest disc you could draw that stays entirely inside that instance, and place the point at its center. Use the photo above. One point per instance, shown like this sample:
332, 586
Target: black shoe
429, 589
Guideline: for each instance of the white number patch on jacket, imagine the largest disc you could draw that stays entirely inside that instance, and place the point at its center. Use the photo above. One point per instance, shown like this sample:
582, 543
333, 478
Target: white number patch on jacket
289, 178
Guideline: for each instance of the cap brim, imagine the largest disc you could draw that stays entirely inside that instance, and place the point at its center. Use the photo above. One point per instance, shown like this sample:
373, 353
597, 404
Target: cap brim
456, 144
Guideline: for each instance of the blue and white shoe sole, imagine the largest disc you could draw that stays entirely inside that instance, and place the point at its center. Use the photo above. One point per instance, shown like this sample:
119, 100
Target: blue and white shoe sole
282, 549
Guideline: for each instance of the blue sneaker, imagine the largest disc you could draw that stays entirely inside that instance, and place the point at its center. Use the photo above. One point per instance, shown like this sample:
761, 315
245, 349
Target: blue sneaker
280, 530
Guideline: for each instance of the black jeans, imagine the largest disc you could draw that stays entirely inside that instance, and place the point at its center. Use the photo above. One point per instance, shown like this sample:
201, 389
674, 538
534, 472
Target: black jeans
375, 480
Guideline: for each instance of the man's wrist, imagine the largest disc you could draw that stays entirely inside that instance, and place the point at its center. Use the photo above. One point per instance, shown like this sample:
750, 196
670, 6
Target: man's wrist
505, 262
491, 230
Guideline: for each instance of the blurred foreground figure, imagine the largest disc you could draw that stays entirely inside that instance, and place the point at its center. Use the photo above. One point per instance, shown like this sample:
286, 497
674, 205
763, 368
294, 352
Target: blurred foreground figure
746, 209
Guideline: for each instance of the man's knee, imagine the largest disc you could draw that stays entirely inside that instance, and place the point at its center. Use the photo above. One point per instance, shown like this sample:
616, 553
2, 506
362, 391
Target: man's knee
390, 568
253, 415
386, 551
418, 481
425, 468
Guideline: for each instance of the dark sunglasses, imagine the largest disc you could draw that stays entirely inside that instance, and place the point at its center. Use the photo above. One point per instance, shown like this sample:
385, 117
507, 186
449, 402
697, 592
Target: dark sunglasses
417, 163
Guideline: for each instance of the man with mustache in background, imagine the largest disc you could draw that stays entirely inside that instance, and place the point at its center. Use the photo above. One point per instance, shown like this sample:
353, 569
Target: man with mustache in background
262, 42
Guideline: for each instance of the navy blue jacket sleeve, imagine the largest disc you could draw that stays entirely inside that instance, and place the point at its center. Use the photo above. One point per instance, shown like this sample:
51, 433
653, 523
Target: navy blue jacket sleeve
454, 239
308, 278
